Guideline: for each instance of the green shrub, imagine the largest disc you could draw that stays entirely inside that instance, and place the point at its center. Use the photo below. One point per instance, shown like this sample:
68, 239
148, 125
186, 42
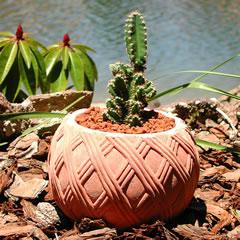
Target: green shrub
21, 63
65, 58
27, 64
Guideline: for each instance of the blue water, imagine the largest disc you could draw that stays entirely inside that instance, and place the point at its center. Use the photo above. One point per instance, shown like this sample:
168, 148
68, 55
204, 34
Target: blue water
182, 34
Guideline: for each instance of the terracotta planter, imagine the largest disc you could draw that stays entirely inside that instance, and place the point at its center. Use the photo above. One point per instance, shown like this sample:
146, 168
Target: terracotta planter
125, 179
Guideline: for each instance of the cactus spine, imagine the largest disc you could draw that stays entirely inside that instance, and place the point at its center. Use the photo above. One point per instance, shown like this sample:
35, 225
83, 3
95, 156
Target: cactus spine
129, 89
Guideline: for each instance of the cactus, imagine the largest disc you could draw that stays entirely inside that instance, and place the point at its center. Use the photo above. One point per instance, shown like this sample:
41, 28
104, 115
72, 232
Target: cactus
136, 40
129, 89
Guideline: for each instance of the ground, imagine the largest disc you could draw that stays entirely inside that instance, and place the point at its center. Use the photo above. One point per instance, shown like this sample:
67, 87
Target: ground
28, 211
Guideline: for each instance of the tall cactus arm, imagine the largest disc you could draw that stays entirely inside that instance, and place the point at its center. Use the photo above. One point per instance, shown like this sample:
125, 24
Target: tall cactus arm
136, 40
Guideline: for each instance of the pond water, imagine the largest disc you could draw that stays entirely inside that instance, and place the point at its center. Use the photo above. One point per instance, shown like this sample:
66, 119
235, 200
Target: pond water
182, 34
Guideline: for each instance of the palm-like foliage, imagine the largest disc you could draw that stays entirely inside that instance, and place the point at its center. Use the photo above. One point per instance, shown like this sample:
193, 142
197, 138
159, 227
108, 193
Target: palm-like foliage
21, 64
66, 59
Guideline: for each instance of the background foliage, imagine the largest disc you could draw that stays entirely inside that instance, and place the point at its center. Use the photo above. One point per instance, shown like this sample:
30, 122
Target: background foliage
26, 65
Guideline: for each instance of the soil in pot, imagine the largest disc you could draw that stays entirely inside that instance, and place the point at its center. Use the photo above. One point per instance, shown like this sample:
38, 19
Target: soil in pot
93, 119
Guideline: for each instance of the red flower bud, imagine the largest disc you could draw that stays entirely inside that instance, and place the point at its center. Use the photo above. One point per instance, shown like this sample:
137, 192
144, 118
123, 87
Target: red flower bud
19, 32
66, 40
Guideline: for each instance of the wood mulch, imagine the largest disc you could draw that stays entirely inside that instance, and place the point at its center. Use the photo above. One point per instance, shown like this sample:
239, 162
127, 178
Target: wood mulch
27, 210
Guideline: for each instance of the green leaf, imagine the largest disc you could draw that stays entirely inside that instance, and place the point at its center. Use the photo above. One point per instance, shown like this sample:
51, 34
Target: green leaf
77, 70
55, 72
11, 84
54, 76
45, 122
26, 53
61, 82
204, 86
65, 57
7, 34
4, 42
53, 47
69, 106
198, 78
30, 115
32, 79
212, 73
36, 71
23, 75
34, 43
194, 84
89, 70
215, 67
44, 85
28, 76
170, 91
5, 39
8, 55
51, 58
83, 48
197, 85
3, 144
203, 143
15, 88
35, 128
39, 59
21, 96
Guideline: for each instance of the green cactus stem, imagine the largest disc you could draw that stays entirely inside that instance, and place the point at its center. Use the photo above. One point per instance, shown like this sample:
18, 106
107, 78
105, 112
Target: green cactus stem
130, 92
136, 40
129, 89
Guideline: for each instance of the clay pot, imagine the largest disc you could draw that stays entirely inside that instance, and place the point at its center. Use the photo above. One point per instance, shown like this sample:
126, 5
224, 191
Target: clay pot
126, 179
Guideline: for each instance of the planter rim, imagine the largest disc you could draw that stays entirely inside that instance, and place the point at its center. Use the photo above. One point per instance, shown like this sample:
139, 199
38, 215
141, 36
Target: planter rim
179, 124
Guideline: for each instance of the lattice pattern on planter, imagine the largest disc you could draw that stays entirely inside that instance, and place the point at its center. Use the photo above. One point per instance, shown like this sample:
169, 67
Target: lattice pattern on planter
123, 180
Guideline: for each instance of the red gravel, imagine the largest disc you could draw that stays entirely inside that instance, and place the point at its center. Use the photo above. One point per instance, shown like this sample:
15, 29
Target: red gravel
93, 119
